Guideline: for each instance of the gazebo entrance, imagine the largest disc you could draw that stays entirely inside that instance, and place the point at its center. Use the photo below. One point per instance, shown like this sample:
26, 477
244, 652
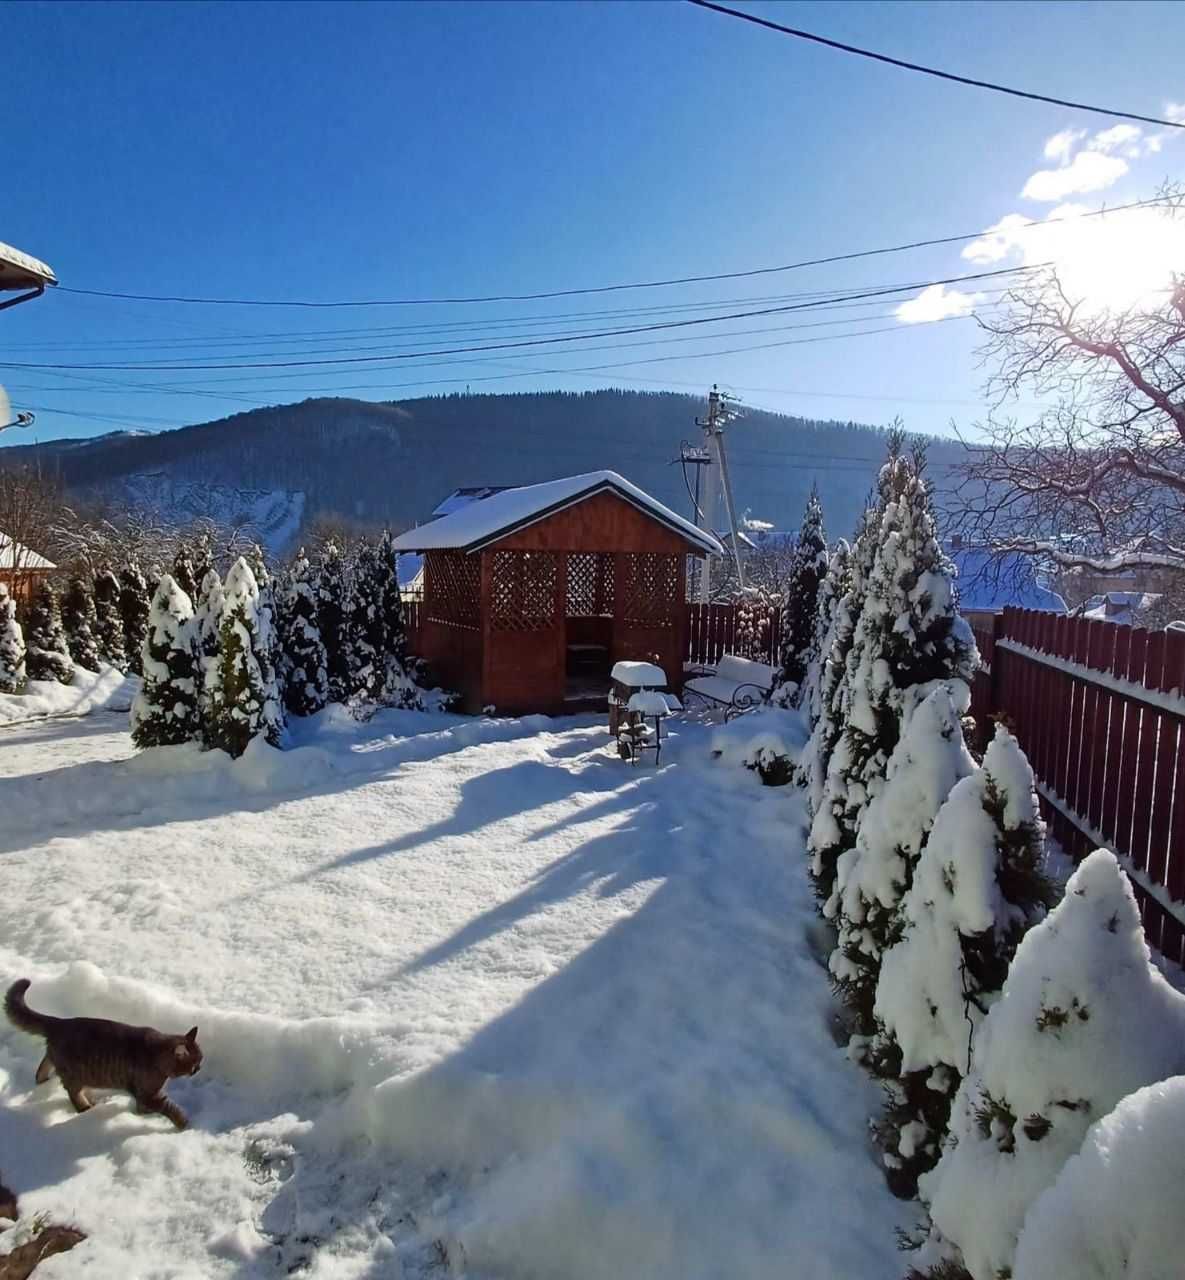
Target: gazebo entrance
531, 595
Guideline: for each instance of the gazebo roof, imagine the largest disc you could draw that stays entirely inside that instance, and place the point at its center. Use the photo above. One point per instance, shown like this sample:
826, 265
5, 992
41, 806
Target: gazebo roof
22, 271
479, 523
13, 553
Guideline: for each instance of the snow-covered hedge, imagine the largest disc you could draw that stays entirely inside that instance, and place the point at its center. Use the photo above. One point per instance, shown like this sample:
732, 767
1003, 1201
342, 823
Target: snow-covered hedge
1114, 1212
1084, 1019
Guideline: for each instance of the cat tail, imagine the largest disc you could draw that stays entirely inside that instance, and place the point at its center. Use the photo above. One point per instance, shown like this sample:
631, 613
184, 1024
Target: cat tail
19, 1013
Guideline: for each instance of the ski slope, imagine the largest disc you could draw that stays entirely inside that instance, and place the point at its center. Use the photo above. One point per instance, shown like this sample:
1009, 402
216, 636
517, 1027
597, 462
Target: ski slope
476, 998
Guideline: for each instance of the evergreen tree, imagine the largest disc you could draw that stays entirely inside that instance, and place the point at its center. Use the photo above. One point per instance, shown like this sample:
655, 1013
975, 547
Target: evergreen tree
134, 603
977, 888
823, 765
368, 624
243, 703
909, 636
184, 574
807, 569
269, 632
399, 690
333, 621
202, 557
207, 620
47, 656
108, 622
12, 645
306, 681
78, 621
165, 712
1083, 1020
835, 583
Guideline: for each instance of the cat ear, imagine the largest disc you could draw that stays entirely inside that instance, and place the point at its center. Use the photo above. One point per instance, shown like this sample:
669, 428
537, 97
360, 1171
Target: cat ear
191, 1035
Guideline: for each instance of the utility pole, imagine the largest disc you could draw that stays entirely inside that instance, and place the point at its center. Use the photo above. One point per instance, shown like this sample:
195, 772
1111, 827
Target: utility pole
718, 479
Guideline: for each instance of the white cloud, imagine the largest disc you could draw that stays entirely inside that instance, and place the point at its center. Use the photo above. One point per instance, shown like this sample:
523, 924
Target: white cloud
997, 242
1175, 111
1061, 146
1121, 137
936, 303
1088, 171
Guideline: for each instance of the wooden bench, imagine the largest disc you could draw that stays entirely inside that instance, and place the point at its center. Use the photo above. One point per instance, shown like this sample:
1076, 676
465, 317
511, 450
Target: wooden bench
735, 684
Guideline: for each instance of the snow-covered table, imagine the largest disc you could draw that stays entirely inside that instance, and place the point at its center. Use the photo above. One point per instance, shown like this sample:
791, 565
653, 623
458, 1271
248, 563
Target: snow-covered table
629, 678
635, 736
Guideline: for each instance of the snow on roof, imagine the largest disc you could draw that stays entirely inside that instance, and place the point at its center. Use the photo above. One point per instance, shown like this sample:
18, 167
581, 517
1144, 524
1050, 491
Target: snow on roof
20, 271
463, 497
990, 582
479, 523
16, 555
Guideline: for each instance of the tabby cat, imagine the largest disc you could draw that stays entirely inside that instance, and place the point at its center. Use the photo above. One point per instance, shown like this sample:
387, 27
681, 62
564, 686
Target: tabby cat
93, 1053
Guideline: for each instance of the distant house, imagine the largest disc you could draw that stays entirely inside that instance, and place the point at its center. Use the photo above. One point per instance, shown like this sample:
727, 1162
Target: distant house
988, 582
1120, 606
22, 568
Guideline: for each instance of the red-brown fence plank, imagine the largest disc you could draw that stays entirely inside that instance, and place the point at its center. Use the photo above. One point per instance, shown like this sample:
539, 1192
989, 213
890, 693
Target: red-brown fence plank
1145, 760
1114, 777
1101, 658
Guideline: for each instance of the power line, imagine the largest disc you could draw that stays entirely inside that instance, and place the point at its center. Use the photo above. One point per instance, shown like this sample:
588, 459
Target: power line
608, 288
153, 366
930, 71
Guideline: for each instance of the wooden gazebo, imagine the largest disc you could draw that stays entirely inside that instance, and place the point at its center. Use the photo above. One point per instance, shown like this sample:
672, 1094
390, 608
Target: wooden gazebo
532, 594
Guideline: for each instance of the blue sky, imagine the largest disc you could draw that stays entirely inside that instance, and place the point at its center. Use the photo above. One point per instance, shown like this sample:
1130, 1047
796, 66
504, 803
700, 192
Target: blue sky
312, 151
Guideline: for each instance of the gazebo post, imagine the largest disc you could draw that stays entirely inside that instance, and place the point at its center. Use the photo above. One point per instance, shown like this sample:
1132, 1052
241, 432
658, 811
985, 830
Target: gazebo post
486, 626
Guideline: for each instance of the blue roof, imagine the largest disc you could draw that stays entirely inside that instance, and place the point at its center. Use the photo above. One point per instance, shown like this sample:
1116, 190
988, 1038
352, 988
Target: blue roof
991, 582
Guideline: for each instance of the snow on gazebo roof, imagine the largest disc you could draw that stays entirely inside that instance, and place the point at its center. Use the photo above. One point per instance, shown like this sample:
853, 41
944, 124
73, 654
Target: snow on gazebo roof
16, 555
480, 523
19, 270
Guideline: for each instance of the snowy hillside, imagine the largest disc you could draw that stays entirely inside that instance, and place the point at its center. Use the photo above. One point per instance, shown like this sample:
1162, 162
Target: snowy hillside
476, 998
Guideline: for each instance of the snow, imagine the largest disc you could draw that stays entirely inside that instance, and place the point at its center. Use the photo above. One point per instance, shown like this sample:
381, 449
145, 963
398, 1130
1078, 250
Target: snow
16, 554
1172, 702
1115, 1211
107, 689
474, 998
649, 703
760, 736
1084, 1019
476, 523
638, 675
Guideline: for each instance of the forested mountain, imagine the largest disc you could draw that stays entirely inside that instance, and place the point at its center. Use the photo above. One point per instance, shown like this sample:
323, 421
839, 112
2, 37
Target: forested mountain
391, 463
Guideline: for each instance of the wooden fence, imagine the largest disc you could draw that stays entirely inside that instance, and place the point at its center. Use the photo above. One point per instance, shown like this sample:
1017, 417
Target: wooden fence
1098, 709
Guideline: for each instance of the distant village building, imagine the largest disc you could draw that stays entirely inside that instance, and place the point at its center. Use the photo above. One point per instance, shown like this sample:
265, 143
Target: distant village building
989, 582
22, 569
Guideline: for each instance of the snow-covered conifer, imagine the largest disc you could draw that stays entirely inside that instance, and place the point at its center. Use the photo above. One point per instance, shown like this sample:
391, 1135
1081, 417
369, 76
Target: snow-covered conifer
202, 557
306, 681
823, 765
12, 645
392, 604
269, 631
47, 656
832, 586
1084, 1019
134, 602
333, 621
909, 637
367, 647
1114, 1212
243, 704
927, 761
78, 622
799, 607
977, 888
108, 623
207, 620
165, 712
184, 574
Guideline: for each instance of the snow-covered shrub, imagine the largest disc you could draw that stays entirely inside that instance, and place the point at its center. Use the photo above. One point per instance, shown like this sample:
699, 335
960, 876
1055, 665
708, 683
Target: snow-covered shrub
306, 682
333, 621
808, 567
400, 687
367, 647
832, 587
909, 636
269, 632
755, 608
165, 711
108, 623
1084, 1019
977, 887
47, 656
78, 622
134, 602
1114, 1212
207, 621
872, 877
767, 740
12, 645
243, 704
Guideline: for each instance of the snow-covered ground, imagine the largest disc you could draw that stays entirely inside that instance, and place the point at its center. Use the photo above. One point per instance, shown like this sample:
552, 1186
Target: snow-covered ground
87, 692
475, 998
